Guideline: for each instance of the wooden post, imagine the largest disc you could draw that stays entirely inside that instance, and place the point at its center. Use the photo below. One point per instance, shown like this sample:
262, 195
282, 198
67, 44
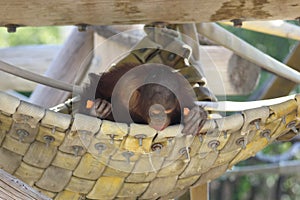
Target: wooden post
200, 192
69, 65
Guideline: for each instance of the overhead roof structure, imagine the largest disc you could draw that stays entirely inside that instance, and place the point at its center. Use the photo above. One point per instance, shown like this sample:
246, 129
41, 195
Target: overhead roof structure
64, 12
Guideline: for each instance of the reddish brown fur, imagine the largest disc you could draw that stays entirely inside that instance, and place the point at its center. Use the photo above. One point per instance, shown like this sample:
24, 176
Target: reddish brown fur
145, 96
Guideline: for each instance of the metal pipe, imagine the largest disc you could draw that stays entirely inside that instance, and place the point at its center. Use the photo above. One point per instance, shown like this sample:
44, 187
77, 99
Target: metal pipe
278, 28
17, 71
218, 34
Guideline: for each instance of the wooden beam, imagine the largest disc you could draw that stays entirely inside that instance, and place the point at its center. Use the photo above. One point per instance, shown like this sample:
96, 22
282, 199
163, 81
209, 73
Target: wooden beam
101, 12
13, 188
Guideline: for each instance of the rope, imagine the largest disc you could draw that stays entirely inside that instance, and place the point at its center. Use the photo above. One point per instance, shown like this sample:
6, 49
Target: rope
231, 106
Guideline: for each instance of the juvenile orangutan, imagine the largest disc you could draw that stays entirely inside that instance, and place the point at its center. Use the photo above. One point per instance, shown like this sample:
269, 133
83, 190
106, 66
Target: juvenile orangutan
148, 94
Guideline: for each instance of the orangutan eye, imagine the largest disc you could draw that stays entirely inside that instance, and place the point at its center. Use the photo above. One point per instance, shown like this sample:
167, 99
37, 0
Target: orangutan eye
169, 111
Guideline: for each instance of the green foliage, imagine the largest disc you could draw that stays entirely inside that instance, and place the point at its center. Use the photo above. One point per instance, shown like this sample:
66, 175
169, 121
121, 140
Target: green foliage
243, 188
30, 35
275, 46
277, 148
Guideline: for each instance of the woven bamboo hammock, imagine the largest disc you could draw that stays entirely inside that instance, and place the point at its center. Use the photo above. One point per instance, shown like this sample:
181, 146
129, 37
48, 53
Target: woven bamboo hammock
68, 156
79, 156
